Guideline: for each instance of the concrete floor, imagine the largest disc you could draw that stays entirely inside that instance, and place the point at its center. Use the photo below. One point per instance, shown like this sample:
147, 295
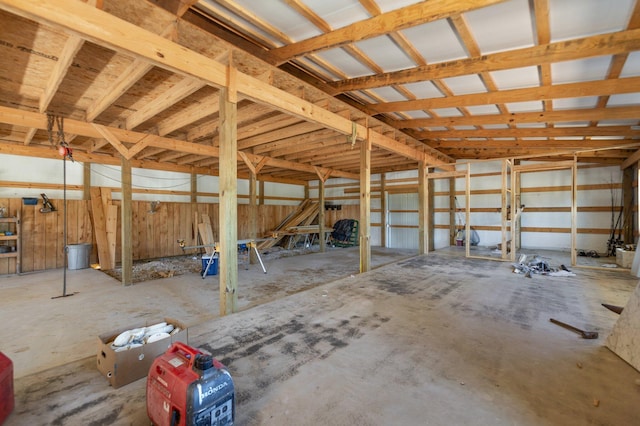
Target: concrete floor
437, 339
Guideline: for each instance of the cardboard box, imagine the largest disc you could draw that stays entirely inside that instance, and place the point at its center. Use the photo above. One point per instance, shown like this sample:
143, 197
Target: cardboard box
130, 365
624, 258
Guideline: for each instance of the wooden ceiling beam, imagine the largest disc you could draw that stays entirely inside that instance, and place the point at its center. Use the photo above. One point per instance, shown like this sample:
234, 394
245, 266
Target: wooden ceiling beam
531, 132
569, 90
385, 23
294, 144
563, 116
109, 31
179, 91
36, 120
287, 132
195, 112
599, 45
537, 144
69, 51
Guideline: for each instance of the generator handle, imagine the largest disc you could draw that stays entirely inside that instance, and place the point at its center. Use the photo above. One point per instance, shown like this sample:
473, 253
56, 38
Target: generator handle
189, 352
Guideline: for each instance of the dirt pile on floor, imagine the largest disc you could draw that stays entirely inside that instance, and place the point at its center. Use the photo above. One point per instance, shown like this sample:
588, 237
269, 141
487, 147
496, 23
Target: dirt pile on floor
165, 267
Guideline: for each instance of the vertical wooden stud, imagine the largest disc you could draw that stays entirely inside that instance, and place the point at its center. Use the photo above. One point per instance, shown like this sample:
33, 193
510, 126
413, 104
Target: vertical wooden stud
86, 181
383, 209
431, 214
467, 213
253, 215
453, 228
365, 204
127, 228
423, 207
321, 219
574, 209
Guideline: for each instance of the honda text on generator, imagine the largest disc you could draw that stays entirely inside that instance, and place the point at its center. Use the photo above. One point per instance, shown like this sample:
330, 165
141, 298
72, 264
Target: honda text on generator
188, 387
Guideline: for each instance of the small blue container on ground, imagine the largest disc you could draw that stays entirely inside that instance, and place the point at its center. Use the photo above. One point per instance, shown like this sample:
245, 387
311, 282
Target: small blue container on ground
213, 268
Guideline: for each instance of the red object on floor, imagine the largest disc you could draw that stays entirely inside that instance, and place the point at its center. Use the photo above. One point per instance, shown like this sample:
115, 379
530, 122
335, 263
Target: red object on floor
7, 400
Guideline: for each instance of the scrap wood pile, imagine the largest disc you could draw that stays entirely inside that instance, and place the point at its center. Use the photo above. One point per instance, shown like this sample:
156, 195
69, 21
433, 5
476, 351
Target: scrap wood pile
303, 216
539, 266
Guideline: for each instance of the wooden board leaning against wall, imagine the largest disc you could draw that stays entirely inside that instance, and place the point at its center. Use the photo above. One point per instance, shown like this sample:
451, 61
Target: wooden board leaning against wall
154, 234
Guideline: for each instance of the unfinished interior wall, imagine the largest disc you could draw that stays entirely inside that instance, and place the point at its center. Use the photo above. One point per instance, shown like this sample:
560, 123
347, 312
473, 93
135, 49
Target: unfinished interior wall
342, 201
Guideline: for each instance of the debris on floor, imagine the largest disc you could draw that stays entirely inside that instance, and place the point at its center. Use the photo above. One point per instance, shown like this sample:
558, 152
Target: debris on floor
540, 266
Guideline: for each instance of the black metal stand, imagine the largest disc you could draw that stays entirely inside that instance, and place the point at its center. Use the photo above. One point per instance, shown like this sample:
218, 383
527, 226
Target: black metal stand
64, 232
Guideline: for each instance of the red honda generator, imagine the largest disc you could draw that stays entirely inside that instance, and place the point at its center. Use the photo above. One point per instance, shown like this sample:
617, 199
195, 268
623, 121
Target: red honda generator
188, 387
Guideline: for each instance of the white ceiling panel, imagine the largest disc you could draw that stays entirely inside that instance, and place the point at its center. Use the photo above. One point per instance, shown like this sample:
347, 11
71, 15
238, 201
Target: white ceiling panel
465, 127
385, 53
389, 5
345, 62
447, 112
530, 106
624, 99
516, 78
628, 122
389, 94
606, 138
483, 109
575, 103
573, 124
437, 128
581, 70
530, 125
281, 16
424, 90
211, 7
465, 85
534, 138
317, 68
337, 13
568, 138
579, 18
502, 26
436, 41
494, 126
417, 114
631, 66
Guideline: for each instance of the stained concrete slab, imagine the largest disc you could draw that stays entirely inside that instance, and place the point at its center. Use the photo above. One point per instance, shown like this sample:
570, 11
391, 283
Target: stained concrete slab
435, 339
40, 332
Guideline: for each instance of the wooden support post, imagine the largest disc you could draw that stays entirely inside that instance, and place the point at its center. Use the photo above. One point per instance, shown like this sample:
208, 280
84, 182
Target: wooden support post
627, 206
365, 204
86, 181
127, 228
261, 194
193, 213
423, 207
505, 201
637, 179
321, 219
194, 188
306, 191
453, 228
383, 209
431, 214
574, 209
517, 202
228, 216
253, 215
467, 213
